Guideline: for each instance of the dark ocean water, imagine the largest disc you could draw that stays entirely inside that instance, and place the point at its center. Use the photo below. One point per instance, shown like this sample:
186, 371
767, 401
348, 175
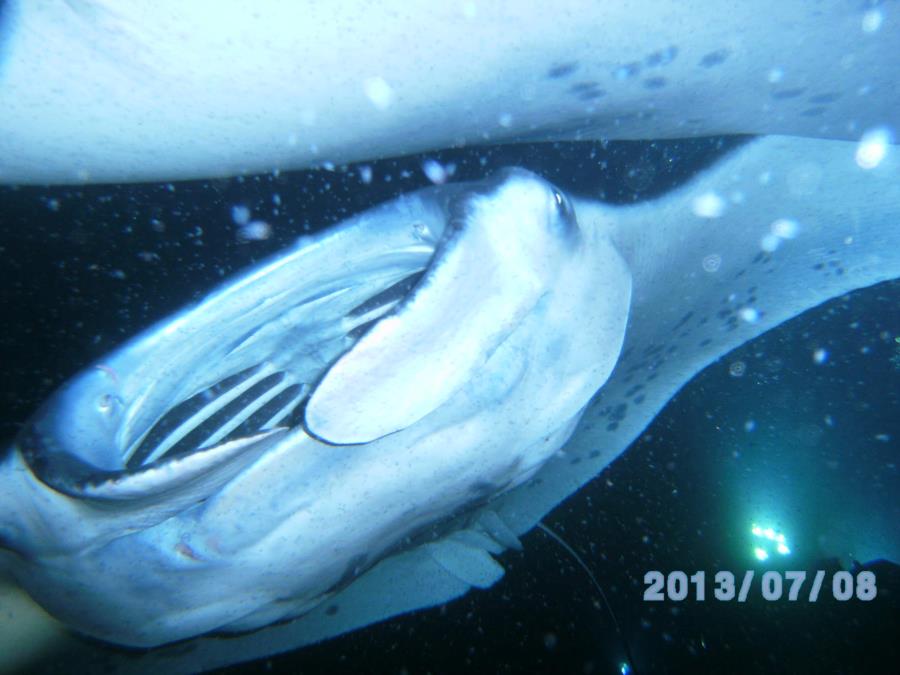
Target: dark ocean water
780, 437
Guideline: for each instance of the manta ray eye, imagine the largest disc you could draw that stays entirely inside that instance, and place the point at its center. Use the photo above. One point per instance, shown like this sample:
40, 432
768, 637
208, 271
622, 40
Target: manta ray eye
564, 210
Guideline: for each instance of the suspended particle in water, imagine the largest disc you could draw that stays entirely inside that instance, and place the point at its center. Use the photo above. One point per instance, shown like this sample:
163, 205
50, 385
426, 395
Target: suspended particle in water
365, 173
379, 92
708, 205
435, 171
820, 356
712, 263
240, 214
770, 243
255, 230
737, 369
749, 314
872, 148
784, 228
872, 20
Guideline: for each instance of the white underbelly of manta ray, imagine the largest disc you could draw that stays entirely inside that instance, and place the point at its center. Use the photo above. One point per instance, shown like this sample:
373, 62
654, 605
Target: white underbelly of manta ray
459, 391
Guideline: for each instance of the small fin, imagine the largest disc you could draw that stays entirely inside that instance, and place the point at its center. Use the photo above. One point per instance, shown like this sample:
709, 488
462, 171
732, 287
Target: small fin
477, 539
473, 566
493, 524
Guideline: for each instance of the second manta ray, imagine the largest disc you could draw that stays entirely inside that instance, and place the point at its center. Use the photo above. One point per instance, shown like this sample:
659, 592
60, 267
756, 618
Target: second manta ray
355, 428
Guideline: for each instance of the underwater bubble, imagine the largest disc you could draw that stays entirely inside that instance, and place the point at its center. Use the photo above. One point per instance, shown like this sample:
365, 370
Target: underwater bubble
820, 356
785, 228
255, 230
737, 369
749, 314
505, 120
640, 175
379, 92
240, 214
435, 171
872, 20
365, 173
873, 147
749, 425
712, 263
770, 243
708, 205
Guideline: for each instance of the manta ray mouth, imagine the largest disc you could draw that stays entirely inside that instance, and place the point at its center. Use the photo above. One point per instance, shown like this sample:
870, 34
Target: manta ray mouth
243, 406
251, 401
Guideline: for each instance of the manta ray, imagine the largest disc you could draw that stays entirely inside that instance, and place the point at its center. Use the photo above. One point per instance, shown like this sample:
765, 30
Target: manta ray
358, 427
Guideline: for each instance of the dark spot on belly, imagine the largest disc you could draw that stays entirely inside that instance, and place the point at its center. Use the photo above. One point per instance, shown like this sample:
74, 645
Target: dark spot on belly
663, 57
683, 320
587, 91
639, 399
592, 95
331, 610
612, 426
814, 112
635, 389
715, 58
788, 93
820, 99
652, 350
561, 70
655, 82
